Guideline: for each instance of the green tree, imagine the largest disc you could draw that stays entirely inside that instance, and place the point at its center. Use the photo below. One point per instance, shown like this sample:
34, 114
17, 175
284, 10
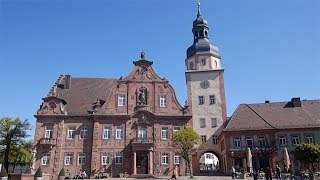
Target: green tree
12, 133
307, 153
186, 143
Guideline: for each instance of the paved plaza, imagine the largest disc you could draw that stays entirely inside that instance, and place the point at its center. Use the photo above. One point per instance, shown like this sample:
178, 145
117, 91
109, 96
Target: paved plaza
186, 177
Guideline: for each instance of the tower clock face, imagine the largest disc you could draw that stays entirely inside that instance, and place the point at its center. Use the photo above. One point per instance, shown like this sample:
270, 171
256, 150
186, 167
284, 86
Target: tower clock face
204, 84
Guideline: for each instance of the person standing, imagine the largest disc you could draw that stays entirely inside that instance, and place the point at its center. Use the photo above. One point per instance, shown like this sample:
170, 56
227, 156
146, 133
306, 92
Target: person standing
278, 171
255, 174
233, 172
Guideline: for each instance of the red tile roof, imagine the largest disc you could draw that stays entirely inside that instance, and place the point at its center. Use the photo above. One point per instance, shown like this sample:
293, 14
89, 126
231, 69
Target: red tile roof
278, 115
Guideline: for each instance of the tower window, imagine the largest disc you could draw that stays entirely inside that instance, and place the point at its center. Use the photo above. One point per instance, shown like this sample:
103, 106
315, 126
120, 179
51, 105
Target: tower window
203, 62
201, 33
201, 100
212, 99
206, 33
204, 138
202, 122
191, 66
215, 64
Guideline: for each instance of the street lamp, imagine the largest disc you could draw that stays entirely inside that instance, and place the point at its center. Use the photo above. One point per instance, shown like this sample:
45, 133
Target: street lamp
111, 163
232, 154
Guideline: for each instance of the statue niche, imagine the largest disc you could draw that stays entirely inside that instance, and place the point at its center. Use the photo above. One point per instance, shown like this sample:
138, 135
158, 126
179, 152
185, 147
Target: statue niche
142, 96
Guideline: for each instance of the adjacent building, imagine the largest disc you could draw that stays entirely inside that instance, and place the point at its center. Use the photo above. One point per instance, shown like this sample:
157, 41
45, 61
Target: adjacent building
268, 128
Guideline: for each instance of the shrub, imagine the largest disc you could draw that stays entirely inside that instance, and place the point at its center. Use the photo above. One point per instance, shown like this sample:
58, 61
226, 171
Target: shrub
38, 173
3, 172
62, 173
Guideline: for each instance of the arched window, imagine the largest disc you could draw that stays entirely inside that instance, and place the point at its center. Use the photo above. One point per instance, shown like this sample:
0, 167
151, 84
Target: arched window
191, 65
201, 33
203, 62
215, 64
206, 33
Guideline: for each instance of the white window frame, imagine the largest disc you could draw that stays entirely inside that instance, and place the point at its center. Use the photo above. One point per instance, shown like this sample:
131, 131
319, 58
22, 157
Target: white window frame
121, 100
81, 158
214, 122
203, 122
107, 132
119, 132
237, 142
201, 100
68, 159
249, 139
105, 159
164, 132
71, 132
177, 159
212, 99
118, 158
204, 138
45, 160
282, 140
295, 140
163, 101
48, 133
309, 138
175, 129
214, 139
165, 158
83, 132
142, 132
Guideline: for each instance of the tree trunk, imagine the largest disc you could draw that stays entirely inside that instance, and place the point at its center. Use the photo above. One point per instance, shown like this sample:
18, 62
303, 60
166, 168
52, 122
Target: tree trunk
6, 157
190, 169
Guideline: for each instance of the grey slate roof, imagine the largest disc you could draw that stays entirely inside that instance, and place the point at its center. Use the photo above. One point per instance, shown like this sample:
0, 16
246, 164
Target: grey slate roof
278, 115
83, 92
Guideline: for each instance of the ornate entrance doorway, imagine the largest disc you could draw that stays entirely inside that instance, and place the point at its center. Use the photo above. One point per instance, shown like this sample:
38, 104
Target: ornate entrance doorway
142, 162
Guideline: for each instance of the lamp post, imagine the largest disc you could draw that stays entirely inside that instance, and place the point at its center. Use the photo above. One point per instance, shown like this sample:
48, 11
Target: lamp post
111, 163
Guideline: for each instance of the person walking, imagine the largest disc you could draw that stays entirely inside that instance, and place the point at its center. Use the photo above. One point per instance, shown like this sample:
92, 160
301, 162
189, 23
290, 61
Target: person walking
233, 172
278, 171
174, 172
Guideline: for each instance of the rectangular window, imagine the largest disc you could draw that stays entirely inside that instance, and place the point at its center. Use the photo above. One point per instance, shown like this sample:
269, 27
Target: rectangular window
204, 138
142, 133
119, 158
295, 140
68, 160
236, 142
201, 100
121, 100
202, 122
48, 133
163, 101
177, 159
81, 159
262, 141
83, 133
282, 140
175, 129
71, 132
213, 122
45, 159
107, 132
105, 159
214, 139
164, 133
165, 158
212, 99
309, 139
119, 132
249, 141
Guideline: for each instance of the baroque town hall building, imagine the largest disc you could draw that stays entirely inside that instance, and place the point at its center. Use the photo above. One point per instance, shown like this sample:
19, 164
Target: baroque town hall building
124, 126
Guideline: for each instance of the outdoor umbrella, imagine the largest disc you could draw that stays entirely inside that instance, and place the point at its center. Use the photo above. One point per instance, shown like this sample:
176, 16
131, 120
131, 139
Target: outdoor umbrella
286, 159
249, 160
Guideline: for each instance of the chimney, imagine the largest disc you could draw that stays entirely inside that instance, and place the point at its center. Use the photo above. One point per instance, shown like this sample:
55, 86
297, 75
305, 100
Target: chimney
296, 102
67, 81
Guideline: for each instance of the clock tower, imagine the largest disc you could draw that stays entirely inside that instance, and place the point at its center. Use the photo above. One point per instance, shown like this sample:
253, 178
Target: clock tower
205, 84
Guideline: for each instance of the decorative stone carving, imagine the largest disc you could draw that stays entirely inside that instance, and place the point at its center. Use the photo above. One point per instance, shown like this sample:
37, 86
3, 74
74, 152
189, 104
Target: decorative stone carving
142, 96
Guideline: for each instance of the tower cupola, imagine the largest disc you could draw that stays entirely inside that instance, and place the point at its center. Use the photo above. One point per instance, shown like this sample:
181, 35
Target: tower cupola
201, 43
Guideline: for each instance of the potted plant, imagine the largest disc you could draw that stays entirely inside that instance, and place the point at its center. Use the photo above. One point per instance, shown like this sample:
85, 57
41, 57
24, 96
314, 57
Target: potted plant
3, 174
62, 174
243, 173
38, 175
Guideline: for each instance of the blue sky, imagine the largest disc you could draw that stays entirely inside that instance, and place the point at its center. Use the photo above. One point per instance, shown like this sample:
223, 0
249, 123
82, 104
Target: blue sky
270, 49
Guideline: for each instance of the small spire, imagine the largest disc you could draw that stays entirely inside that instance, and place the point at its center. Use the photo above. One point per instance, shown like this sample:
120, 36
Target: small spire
143, 55
199, 13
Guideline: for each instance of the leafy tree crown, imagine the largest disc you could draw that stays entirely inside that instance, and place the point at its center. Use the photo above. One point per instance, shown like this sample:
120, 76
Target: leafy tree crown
3, 172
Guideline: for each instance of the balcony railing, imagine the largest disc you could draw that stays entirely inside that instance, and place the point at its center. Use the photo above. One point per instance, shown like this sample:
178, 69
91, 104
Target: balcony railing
142, 140
46, 142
